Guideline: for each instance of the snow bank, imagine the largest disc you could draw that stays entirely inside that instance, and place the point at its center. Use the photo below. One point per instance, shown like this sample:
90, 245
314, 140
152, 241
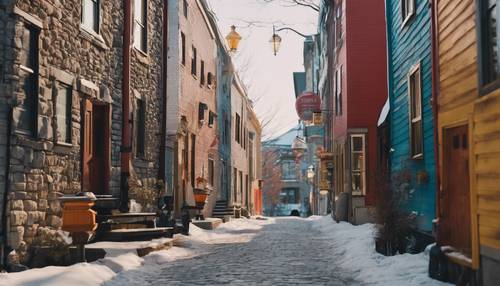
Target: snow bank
85, 274
354, 250
121, 256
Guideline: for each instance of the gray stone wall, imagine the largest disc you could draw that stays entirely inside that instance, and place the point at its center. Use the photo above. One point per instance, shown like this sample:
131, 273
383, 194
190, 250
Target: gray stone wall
40, 167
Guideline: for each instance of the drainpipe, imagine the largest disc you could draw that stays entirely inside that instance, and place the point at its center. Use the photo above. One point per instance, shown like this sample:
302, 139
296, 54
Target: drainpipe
435, 92
3, 258
163, 151
126, 147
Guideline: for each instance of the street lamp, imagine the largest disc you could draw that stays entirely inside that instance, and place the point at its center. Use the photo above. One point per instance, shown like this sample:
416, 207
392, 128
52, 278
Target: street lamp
299, 146
275, 40
233, 39
310, 173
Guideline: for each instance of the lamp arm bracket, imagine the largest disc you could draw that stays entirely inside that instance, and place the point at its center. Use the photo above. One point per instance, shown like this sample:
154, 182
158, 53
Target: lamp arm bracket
291, 29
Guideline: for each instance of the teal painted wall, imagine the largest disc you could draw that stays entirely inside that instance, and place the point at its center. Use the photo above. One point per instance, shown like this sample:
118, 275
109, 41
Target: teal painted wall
409, 45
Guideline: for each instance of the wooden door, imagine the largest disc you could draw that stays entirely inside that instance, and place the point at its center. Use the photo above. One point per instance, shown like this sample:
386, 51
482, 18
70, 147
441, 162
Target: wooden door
455, 219
100, 150
87, 145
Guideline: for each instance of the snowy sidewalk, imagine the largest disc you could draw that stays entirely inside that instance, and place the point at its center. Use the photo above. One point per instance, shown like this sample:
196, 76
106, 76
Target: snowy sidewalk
281, 251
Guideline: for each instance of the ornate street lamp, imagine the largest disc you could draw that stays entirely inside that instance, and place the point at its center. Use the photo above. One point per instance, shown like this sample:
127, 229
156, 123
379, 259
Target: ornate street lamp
299, 146
310, 173
275, 40
233, 39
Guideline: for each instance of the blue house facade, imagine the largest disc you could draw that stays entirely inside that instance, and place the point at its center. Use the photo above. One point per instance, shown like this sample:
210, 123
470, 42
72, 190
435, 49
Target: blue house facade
412, 156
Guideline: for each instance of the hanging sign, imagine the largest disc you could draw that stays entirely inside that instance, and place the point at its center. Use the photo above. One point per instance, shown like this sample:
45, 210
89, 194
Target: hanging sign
307, 104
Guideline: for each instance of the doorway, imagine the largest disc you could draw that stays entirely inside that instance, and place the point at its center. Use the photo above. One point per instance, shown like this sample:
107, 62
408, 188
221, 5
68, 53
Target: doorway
95, 148
455, 219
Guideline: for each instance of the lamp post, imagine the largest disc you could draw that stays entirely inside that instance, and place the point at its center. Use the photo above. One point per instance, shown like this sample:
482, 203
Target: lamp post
275, 40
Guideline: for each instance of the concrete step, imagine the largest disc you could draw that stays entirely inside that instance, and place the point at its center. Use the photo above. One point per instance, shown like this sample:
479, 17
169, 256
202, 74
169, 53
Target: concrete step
127, 218
138, 234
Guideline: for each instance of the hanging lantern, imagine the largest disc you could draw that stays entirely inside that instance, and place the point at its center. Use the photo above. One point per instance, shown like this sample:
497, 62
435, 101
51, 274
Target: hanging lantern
299, 146
233, 39
275, 42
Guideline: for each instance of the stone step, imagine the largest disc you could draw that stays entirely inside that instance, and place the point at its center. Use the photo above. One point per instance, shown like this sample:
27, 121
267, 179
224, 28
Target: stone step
137, 234
127, 218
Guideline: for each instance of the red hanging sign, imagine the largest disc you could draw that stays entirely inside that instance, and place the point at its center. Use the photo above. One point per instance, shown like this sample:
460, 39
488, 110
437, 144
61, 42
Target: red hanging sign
307, 104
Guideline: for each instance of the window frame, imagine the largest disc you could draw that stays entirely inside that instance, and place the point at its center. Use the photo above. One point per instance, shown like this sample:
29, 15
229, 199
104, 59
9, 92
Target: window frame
97, 15
237, 122
362, 171
183, 49
411, 12
68, 113
185, 7
484, 86
202, 72
30, 102
194, 59
414, 119
210, 80
211, 171
143, 45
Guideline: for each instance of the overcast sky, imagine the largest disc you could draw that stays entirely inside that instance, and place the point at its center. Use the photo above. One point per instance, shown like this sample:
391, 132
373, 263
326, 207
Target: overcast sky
268, 77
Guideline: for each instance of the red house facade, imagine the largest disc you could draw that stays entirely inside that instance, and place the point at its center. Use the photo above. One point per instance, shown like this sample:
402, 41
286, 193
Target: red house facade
358, 75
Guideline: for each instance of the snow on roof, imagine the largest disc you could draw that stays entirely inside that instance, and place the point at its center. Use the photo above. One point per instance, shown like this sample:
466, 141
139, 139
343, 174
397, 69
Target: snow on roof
384, 112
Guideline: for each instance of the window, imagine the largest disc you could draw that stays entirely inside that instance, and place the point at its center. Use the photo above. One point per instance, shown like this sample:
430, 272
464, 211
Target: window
140, 136
211, 171
338, 91
140, 24
28, 109
358, 161
407, 10
63, 113
211, 119
240, 179
488, 51
90, 14
185, 7
193, 61
210, 79
201, 112
245, 138
289, 196
183, 49
202, 73
237, 125
415, 98
288, 170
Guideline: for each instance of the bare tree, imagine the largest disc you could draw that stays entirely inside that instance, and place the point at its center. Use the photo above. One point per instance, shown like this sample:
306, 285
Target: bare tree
313, 4
272, 185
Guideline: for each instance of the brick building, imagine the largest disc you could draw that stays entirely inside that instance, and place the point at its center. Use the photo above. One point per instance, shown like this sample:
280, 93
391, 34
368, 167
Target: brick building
63, 85
192, 105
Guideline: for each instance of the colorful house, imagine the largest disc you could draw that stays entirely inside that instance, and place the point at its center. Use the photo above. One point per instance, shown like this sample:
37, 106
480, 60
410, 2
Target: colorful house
468, 99
358, 92
410, 118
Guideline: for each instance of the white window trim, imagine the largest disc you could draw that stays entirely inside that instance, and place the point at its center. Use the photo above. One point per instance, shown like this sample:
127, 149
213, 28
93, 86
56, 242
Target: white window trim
410, 14
99, 22
363, 168
414, 70
144, 26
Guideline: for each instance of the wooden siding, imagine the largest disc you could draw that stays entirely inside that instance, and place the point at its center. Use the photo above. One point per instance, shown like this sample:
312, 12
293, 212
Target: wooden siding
408, 46
459, 102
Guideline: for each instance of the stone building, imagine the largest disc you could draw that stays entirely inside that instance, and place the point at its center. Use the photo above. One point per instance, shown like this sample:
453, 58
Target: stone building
192, 105
62, 85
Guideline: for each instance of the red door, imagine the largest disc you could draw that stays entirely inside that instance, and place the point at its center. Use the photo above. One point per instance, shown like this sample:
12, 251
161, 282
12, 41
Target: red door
96, 148
455, 219
87, 145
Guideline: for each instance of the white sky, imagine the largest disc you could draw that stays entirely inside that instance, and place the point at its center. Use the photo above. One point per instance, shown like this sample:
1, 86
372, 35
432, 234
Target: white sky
268, 77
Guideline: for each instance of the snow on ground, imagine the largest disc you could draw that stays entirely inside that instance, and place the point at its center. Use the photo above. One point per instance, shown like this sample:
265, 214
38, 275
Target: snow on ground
354, 250
121, 256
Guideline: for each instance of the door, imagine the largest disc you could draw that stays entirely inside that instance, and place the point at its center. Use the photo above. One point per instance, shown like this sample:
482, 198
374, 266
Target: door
95, 148
455, 219
87, 144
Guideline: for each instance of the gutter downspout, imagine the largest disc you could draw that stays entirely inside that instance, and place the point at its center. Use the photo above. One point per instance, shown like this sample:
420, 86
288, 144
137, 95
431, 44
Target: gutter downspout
3, 258
126, 147
435, 93
163, 151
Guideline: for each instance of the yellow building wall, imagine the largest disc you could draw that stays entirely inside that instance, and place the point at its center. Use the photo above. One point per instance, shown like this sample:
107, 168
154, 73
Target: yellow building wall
459, 103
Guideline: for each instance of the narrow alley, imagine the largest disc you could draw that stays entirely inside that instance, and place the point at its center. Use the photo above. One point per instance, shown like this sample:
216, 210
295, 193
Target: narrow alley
278, 254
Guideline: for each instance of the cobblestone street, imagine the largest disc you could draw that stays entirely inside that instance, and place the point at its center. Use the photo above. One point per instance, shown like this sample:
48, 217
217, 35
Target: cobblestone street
289, 252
